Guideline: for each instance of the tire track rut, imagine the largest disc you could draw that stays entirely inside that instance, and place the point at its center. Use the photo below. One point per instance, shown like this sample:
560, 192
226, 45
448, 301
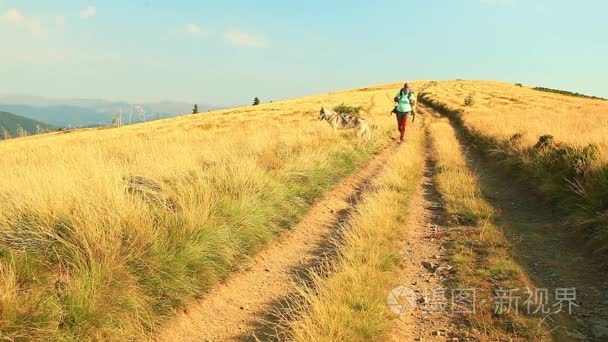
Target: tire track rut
246, 304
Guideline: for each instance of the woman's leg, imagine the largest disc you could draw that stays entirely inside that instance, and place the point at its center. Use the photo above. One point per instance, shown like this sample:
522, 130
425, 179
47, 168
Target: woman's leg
404, 126
401, 122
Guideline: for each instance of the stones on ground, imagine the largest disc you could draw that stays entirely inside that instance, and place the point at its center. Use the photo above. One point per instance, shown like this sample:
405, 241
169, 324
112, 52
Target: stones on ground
445, 271
439, 332
429, 266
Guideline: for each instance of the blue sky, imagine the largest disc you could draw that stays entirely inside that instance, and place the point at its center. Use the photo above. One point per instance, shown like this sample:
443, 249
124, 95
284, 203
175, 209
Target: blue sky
225, 53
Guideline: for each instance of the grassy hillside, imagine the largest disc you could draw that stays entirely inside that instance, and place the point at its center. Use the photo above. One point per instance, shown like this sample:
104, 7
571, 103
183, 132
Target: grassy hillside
103, 232
12, 122
555, 142
502, 110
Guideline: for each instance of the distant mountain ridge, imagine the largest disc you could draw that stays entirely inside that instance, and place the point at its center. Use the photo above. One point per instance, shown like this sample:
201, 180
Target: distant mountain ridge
11, 123
91, 112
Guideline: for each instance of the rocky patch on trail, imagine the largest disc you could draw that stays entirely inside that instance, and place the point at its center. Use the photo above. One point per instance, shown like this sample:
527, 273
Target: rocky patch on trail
426, 270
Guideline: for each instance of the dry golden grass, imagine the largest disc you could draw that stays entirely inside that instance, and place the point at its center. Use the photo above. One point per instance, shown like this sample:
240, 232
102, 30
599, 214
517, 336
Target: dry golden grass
482, 256
502, 110
350, 304
105, 231
462, 204
568, 165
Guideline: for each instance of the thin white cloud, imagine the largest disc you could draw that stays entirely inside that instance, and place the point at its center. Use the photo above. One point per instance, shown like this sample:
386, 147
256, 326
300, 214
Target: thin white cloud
193, 28
88, 12
16, 18
245, 39
60, 20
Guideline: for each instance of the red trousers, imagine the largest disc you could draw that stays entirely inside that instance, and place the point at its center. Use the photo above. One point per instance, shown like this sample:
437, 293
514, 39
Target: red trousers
402, 125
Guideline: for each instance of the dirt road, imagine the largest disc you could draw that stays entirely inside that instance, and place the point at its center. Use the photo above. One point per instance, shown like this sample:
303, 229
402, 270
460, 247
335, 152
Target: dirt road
246, 304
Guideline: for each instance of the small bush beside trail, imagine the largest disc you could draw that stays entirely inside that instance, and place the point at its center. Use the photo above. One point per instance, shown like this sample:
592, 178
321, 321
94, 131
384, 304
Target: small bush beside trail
469, 101
346, 109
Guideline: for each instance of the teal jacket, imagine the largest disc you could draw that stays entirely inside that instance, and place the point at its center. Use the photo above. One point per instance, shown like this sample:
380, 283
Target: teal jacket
405, 101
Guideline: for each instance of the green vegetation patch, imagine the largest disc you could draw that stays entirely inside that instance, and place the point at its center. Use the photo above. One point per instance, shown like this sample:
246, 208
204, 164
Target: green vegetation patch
12, 125
568, 93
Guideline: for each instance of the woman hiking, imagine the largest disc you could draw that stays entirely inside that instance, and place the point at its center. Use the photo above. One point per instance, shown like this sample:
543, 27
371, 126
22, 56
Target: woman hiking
404, 105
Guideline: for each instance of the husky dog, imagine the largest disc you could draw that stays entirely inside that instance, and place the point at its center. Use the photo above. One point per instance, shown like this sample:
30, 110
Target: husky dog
346, 121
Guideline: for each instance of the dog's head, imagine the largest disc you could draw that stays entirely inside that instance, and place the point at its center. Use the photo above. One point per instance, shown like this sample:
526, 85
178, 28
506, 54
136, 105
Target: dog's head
322, 114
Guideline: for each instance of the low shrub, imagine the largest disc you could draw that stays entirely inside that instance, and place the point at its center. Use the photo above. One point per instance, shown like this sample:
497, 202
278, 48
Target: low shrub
469, 101
346, 109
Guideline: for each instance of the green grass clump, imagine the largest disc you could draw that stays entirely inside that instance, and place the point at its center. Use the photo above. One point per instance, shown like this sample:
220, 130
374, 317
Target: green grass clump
347, 109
